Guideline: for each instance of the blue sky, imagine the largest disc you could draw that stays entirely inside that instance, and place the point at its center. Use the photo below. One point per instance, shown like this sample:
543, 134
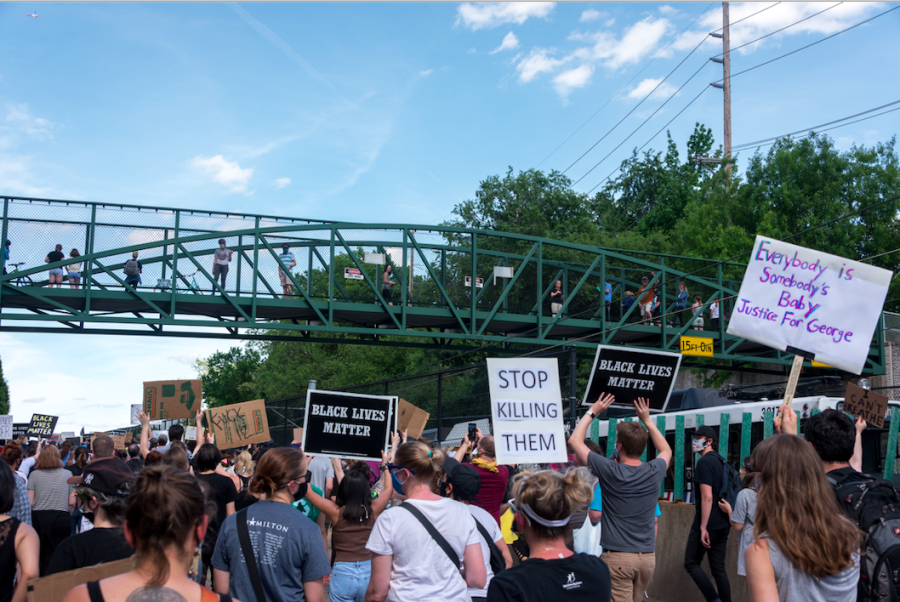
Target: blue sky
372, 112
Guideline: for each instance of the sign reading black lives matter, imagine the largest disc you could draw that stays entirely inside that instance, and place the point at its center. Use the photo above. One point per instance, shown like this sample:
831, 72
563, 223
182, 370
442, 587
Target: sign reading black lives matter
631, 373
346, 425
526, 407
42, 425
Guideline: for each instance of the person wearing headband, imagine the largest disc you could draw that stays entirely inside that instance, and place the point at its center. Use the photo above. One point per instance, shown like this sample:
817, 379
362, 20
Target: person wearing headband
543, 503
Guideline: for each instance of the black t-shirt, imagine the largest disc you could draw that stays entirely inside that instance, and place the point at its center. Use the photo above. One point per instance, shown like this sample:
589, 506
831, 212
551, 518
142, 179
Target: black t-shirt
135, 464
576, 578
90, 548
709, 472
55, 256
75, 469
220, 491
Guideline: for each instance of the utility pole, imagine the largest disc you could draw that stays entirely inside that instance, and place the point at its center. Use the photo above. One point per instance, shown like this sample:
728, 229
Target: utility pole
726, 72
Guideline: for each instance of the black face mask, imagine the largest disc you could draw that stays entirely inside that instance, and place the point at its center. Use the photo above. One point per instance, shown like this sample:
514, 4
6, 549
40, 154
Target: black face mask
442, 489
302, 489
86, 513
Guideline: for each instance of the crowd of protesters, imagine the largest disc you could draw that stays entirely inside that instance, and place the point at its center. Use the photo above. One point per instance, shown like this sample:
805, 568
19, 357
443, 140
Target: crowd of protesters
274, 524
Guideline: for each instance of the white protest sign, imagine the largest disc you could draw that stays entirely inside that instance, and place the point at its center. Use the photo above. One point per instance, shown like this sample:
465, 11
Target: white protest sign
134, 410
6, 426
812, 301
527, 412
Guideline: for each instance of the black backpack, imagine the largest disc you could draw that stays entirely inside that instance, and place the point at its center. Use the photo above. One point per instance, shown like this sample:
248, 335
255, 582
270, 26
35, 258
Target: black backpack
874, 504
498, 563
731, 481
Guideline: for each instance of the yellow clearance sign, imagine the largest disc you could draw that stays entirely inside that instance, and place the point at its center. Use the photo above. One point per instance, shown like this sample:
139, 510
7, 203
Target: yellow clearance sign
697, 346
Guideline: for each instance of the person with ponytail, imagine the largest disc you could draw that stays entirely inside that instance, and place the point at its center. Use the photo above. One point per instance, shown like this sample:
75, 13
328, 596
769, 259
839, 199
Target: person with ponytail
544, 502
165, 521
353, 514
287, 547
429, 547
806, 549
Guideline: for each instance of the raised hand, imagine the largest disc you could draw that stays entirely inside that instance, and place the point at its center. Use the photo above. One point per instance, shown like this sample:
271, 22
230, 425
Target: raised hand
603, 402
142, 417
642, 406
860, 424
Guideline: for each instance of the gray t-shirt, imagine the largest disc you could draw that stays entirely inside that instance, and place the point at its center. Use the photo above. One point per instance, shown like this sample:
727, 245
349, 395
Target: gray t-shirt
630, 494
796, 586
51, 492
744, 513
321, 469
287, 546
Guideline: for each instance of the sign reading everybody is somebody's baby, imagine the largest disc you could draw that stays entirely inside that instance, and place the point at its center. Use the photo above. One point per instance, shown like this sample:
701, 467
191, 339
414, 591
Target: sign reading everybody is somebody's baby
812, 301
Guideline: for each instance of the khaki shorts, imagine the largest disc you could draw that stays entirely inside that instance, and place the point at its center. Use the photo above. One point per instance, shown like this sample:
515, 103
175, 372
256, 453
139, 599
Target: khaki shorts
285, 281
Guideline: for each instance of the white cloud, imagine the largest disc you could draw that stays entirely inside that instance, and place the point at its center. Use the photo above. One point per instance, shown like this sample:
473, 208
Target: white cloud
510, 42
537, 61
609, 23
227, 173
643, 89
34, 400
636, 43
668, 10
775, 18
20, 119
494, 14
569, 80
591, 15
426, 72
17, 177
282, 183
472, 51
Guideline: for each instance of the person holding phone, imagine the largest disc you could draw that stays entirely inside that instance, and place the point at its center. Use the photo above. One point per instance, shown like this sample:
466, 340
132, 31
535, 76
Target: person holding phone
494, 478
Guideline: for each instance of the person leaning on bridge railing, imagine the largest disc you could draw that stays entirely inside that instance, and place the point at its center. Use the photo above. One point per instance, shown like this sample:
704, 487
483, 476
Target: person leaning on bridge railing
630, 494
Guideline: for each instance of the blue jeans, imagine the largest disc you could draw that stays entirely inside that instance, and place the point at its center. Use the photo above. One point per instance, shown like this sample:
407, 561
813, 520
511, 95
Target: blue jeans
349, 581
133, 280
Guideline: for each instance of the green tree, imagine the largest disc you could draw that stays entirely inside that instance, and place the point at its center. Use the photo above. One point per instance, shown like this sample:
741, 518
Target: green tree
4, 392
228, 377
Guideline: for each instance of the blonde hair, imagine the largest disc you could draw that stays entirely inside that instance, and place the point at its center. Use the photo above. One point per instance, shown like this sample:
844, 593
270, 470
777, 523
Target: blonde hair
552, 496
48, 458
421, 460
244, 466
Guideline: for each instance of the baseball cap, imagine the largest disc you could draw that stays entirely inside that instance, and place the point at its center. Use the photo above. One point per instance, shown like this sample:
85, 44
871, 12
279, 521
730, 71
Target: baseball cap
465, 479
705, 431
106, 475
221, 241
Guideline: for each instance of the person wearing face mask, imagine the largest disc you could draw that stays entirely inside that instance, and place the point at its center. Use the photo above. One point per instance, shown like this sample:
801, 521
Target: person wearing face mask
709, 531
461, 482
428, 547
284, 548
165, 521
221, 260
101, 492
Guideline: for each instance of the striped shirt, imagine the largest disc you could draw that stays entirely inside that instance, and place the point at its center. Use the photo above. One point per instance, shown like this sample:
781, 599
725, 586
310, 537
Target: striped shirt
51, 492
286, 259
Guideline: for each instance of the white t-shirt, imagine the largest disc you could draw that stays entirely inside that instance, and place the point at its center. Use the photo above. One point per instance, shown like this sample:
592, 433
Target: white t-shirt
714, 311
487, 521
421, 569
26, 465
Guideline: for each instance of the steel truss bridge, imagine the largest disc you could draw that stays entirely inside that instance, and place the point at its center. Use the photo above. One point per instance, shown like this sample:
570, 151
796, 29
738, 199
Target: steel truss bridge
455, 287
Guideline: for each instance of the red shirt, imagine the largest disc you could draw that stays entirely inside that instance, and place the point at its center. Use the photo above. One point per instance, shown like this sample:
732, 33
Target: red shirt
493, 490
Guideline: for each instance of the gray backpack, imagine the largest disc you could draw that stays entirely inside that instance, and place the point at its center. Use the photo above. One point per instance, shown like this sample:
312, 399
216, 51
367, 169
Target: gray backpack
132, 268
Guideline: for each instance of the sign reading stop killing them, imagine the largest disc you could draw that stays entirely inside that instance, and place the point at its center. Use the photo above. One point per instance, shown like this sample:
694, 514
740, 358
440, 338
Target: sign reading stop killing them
819, 303
347, 425
632, 373
526, 408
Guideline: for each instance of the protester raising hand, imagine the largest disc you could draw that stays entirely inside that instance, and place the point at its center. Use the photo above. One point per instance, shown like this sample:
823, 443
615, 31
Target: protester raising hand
786, 422
145, 433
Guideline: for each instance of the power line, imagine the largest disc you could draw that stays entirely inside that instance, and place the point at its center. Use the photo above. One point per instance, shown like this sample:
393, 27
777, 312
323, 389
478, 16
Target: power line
635, 108
643, 123
733, 23
629, 83
733, 75
815, 127
778, 30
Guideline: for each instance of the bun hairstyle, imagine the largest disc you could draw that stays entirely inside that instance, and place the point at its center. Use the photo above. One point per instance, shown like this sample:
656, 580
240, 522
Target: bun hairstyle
552, 497
276, 469
244, 464
12, 453
422, 460
164, 508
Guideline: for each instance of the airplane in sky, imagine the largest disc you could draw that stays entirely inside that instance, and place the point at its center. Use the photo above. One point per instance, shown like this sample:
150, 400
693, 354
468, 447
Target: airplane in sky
31, 15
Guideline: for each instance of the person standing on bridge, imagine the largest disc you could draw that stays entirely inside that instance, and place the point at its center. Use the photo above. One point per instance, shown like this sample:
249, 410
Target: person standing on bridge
387, 285
133, 269
646, 301
557, 298
56, 274
74, 270
221, 259
287, 262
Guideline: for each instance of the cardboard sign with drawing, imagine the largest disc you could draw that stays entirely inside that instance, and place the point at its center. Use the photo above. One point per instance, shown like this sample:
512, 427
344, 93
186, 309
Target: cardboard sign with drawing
239, 424
172, 399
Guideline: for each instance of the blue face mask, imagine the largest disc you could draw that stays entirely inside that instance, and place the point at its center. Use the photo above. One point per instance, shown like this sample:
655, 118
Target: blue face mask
398, 486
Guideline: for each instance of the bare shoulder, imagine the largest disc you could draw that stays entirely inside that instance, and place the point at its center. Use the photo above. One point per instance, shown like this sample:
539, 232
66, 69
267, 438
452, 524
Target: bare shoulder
77, 594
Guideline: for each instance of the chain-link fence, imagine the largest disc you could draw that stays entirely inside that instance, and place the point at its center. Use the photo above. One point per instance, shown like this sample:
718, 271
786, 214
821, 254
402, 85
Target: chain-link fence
450, 396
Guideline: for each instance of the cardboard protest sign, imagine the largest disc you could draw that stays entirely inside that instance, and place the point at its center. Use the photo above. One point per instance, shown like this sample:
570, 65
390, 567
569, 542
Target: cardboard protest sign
527, 412
118, 442
53, 588
411, 419
868, 405
129, 437
239, 424
42, 426
632, 373
172, 399
134, 410
347, 425
6, 426
819, 303
298, 436
190, 433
